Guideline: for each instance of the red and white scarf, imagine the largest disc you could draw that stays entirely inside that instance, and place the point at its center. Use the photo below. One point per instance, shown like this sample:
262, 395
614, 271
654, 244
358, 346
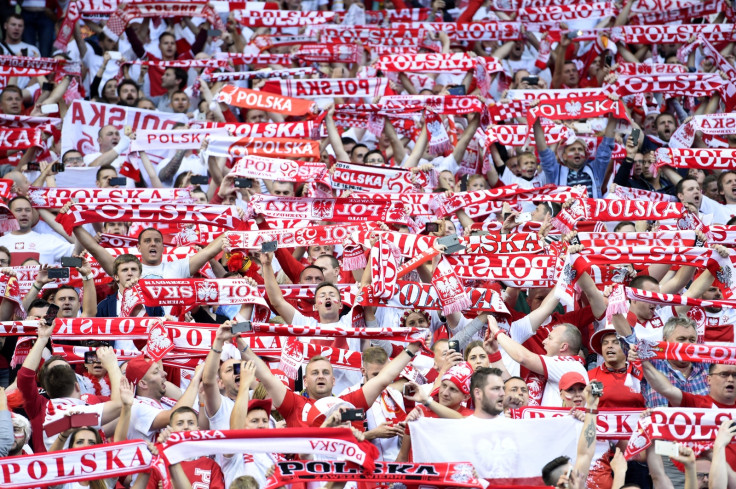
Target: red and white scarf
574, 108
250, 75
695, 427
352, 176
616, 210
611, 424
120, 19
328, 87
706, 159
282, 18
328, 53
224, 216
72, 15
566, 13
280, 170
471, 31
627, 69
55, 197
302, 129
406, 335
673, 85
628, 193
526, 270
431, 474
710, 125
235, 146
337, 210
269, 102
17, 138
267, 42
239, 59
32, 67
432, 63
109, 460
417, 204
414, 295
686, 352
683, 14
291, 237
384, 262
450, 289
666, 34
519, 135
370, 35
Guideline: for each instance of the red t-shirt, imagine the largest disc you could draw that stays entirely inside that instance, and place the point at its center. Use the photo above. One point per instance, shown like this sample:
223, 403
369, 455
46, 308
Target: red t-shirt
299, 411
203, 473
616, 394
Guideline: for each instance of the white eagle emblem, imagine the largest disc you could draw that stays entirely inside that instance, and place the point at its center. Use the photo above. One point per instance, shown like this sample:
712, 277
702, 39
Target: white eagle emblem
573, 108
206, 292
723, 275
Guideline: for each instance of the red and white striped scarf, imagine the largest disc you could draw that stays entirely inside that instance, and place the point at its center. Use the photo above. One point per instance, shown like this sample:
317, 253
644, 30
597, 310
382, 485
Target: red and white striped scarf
301, 129
224, 216
686, 352
706, 159
679, 14
328, 87
120, 19
665, 34
28, 66
250, 75
371, 35
236, 146
282, 18
55, 197
519, 135
574, 108
433, 63
384, 263
710, 125
267, 42
616, 210
328, 53
280, 169
352, 176
291, 237
627, 69
566, 13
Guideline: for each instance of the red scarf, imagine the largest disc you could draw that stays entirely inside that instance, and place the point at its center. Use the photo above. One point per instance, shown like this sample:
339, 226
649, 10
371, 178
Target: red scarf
432, 63
224, 216
665, 34
627, 69
12, 138
291, 237
269, 102
234, 146
686, 352
450, 290
615, 210
30, 67
406, 473
677, 14
352, 176
328, 87
120, 19
611, 424
566, 13
328, 53
301, 129
282, 18
706, 159
574, 108
384, 263
710, 125
280, 170
249, 75
55, 198
519, 135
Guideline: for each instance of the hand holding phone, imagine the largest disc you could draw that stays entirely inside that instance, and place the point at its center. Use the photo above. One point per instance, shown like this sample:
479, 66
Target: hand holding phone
58, 273
352, 415
71, 261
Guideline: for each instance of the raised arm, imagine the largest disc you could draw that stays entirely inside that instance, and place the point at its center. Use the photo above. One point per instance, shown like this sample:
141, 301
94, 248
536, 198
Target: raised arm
515, 350
586, 442
334, 136
275, 388
240, 410
657, 380
720, 473
203, 256
285, 310
373, 388
464, 141
598, 303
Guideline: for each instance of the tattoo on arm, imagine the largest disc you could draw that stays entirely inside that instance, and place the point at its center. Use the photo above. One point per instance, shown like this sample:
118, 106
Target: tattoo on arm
590, 432
167, 173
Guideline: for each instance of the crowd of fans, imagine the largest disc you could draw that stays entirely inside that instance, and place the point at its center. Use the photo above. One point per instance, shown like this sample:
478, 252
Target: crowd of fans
527, 346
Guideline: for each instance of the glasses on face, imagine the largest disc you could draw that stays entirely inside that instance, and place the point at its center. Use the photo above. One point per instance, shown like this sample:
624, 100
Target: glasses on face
725, 375
74, 159
4, 262
702, 475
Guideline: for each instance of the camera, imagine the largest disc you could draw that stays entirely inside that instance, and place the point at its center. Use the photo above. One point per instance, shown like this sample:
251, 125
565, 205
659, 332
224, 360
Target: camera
596, 388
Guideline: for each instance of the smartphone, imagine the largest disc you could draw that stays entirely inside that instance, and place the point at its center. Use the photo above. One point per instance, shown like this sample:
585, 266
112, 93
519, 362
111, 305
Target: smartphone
451, 243
90, 357
244, 327
431, 227
243, 183
531, 80
523, 217
33, 166
236, 368
58, 273
50, 108
664, 447
457, 90
635, 133
269, 247
118, 182
84, 419
596, 388
608, 60
454, 345
352, 415
57, 167
50, 315
199, 180
115, 54
71, 261
409, 390
214, 32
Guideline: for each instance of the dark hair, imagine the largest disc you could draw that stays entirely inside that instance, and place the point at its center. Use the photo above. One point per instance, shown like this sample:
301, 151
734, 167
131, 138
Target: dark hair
166, 34
18, 197
125, 258
64, 156
180, 74
15, 16
664, 114
514, 378
552, 208
11, 88
640, 280
45, 367
479, 379
622, 224
374, 152
59, 381
471, 345
103, 168
66, 287
38, 303
333, 261
359, 145
182, 410
720, 177
3, 249
312, 267
127, 82
140, 235
547, 470
346, 140
180, 91
74, 434
681, 183
326, 284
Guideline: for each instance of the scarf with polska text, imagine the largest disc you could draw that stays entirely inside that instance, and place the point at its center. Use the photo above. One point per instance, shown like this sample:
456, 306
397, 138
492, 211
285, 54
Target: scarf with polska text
19, 138
109, 460
574, 108
450, 290
709, 125
556, 94
71, 17
407, 335
120, 19
353, 176
665, 34
280, 170
239, 59
265, 42
384, 263
705, 159
452, 474
329, 209
258, 75
566, 13
291, 237
416, 203
433, 63
694, 427
75, 354
611, 424
686, 352
397, 15
296, 353
236, 146
327, 87
224, 216
519, 134
327, 53
28, 66
56, 198
533, 270
679, 13
371, 35
470, 31
615, 210
301, 129
484, 202
673, 85
261, 100
627, 69
282, 18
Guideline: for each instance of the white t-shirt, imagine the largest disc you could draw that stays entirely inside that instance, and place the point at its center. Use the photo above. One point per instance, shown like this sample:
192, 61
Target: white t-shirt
652, 329
171, 269
49, 248
221, 419
554, 369
60, 406
142, 414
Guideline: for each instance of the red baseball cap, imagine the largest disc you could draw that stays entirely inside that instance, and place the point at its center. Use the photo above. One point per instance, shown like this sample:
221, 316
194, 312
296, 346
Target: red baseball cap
264, 404
570, 379
137, 368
